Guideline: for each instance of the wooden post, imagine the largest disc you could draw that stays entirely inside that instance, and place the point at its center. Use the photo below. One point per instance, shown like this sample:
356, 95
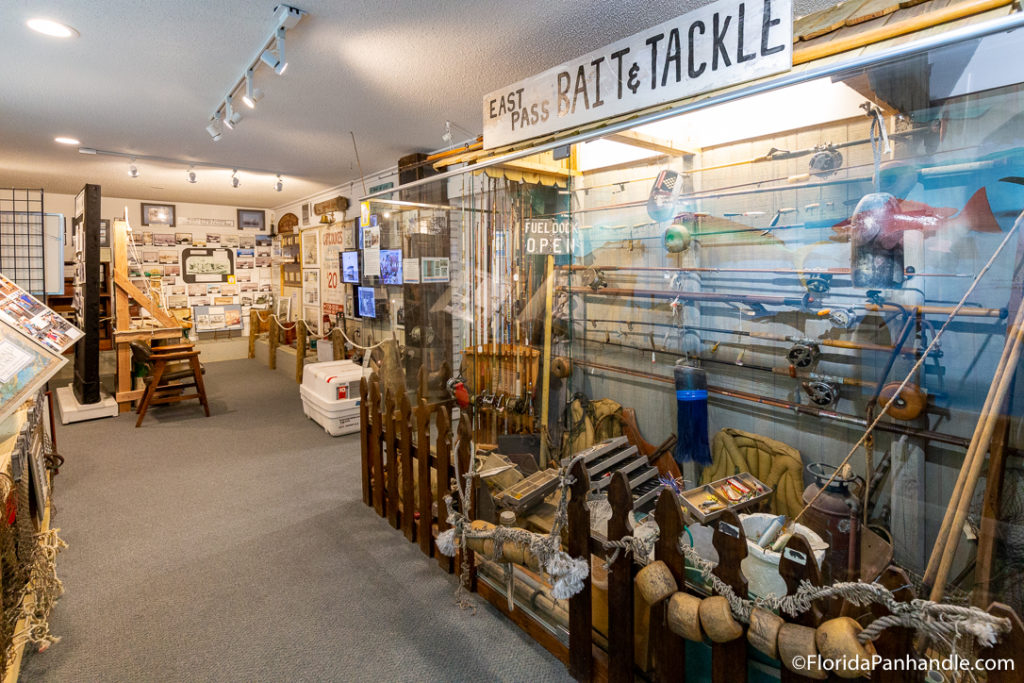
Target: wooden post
729, 660
376, 457
300, 348
893, 643
391, 459
273, 336
797, 564
122, 315
581, 662
254, 317
669, 648
405, 453
620, 585
1010, 646
423, 468
338, 344
444, 454
364, 440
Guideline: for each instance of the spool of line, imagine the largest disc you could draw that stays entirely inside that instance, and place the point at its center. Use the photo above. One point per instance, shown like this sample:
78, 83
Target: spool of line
692, 424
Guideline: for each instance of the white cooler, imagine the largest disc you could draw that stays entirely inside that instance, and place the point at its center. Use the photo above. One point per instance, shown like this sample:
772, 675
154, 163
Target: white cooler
330, 395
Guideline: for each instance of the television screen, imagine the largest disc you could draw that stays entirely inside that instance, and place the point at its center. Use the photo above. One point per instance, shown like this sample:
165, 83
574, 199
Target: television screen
391, 266
367, 304
350, 267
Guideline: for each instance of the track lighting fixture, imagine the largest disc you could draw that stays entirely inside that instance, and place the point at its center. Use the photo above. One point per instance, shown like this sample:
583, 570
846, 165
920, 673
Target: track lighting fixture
271, 53
276, 60
191, 175
234, 178
231, 115
279, 185
215, 128
133, 170
252, 93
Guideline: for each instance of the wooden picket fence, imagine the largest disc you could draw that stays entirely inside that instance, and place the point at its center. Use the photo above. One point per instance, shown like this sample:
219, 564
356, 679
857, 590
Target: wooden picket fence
391, 454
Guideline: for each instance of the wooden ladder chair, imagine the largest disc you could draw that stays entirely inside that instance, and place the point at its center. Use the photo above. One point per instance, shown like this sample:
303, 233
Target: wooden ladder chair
168, 366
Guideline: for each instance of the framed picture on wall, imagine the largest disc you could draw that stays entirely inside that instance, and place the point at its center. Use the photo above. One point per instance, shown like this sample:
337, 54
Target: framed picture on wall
105, 233
158, 214
252, 219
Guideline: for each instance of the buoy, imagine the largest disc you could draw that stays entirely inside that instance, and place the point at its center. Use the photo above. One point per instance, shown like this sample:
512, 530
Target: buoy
837, 640
763, 632
910, 403
717, 620
684, 616
655, 582
797, 642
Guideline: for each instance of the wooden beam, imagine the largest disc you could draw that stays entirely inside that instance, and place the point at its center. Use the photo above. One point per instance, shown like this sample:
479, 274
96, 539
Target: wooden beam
554, 169
648, 142
121, 280
129, 396
128, 336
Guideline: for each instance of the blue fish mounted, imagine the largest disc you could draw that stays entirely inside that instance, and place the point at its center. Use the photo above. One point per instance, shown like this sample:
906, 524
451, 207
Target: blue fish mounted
692, 423
661, 204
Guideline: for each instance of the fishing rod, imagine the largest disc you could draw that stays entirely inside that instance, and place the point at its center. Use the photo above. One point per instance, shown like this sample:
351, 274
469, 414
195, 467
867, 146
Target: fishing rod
773, 271
805, 303
790, 406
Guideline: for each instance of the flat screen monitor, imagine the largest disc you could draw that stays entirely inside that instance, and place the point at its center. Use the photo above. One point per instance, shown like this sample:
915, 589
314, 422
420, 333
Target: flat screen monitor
367, 303
350, 267
391, 266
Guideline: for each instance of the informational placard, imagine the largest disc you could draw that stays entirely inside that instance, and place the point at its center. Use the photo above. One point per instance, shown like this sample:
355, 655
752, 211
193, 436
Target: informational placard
371, 252
411, 270
217, 318
547, 236
207, 265
434, 269
25, 367
718, 45
34, 319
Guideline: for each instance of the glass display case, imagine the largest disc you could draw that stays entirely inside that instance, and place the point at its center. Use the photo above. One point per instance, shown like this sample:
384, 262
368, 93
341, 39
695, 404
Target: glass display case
763, 279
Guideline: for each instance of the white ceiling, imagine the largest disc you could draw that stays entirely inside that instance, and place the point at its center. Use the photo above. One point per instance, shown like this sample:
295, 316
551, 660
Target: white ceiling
145, 76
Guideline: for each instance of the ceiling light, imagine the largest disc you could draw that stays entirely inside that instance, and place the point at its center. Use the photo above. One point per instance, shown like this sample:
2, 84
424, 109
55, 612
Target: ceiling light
133, 170
234, 178
215, 129
279, 185
191, 175
252, 93
66, 141
276, 61
51, 28
231, 115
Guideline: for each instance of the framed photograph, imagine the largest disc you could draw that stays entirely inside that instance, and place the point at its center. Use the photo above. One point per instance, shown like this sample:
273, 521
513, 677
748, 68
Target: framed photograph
252, 219
283, 309
310, 248
158, 214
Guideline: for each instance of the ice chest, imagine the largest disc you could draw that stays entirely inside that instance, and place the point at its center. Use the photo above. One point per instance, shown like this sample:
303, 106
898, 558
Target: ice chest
333, 381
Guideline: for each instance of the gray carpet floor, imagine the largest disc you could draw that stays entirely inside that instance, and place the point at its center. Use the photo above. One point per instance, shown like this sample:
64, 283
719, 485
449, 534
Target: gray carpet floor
237, 548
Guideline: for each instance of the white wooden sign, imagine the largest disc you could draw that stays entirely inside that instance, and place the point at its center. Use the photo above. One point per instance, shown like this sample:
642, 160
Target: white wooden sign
721, 44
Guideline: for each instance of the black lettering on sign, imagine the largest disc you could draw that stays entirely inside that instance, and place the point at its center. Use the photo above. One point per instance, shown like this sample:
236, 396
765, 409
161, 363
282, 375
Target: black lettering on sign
695, 73
766, 24
718, 41
672, 51
597, 81
740, 57
581, 87
544, 113
617, 56
563, 93
493, 114
653, 42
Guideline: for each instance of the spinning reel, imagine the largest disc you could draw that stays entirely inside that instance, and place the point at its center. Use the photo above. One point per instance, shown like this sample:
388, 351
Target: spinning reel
825, 161
593, 278
818, 283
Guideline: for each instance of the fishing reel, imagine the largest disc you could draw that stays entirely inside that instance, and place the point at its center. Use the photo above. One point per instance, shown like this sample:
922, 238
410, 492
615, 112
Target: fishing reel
825, 161
818, 283
593, 278
456, 387
803, 354
843, 318
821, 393
421, 336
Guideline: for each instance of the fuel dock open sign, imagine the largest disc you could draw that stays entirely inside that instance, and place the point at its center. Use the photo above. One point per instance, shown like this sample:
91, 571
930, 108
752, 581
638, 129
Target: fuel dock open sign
721, 44
548, 237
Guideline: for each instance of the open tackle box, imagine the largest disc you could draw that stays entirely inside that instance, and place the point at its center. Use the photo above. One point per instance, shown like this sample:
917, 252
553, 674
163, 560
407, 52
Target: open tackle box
737, 492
